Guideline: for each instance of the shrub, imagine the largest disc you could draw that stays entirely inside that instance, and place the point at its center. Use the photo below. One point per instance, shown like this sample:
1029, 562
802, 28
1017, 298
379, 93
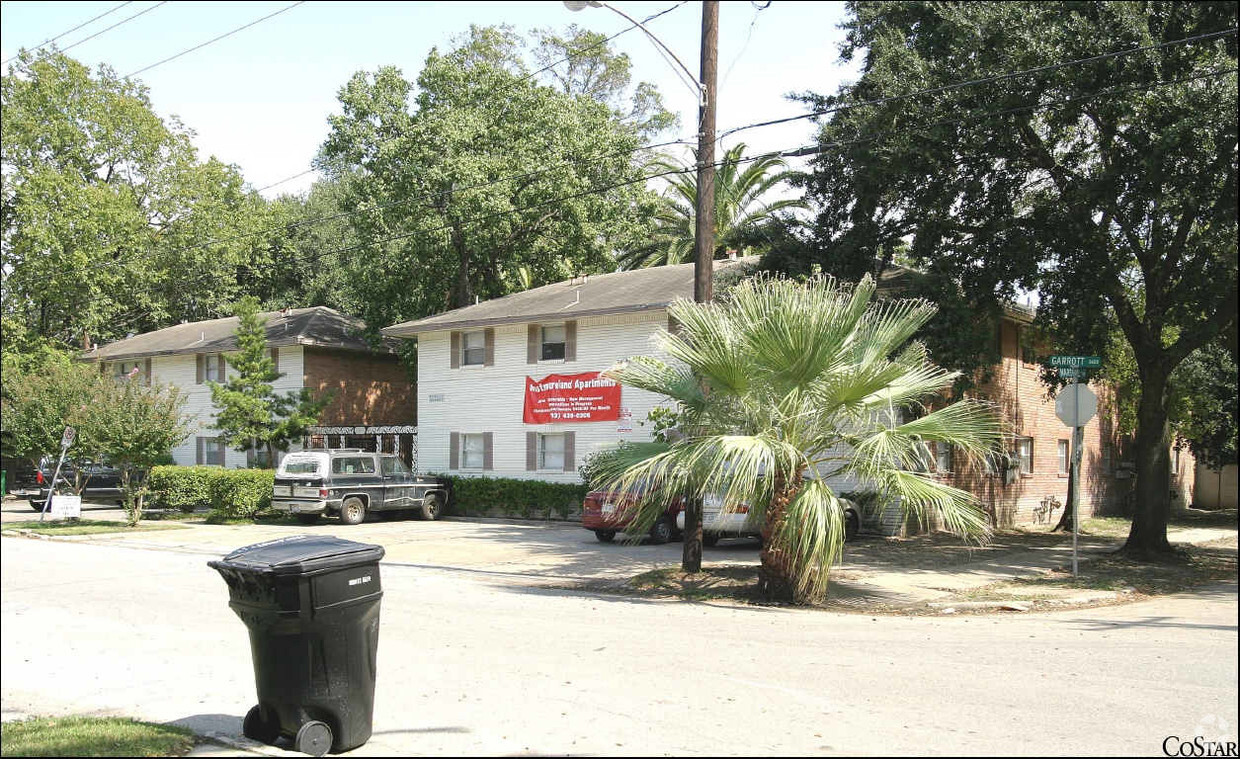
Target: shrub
183, 488
242, 492
513, 497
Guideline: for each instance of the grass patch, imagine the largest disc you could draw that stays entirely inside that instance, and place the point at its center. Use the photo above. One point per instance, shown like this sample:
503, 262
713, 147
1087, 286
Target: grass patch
1106, 527
93, 736
82, 527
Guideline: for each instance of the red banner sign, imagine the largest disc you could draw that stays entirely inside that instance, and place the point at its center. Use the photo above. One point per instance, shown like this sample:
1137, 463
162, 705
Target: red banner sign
588, 397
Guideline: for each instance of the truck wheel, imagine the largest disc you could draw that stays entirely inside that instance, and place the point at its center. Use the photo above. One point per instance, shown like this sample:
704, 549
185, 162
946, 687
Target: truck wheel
852, 525
307, 518
258, 729
661, 532
605, 536
314, 737
37, 505
431, 507
352, 511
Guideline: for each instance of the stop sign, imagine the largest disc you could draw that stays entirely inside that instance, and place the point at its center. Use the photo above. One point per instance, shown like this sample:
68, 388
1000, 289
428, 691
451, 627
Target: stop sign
1075, 405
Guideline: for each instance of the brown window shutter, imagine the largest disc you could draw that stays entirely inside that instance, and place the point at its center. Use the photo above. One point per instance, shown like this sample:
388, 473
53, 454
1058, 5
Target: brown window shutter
531, 451
201, 448
570, 341
222, 367
673, 326
533, 343
454, 448
249, 458
201, 373
147, 370
454, 361
570, 457
489, 335
275, 359
488, 450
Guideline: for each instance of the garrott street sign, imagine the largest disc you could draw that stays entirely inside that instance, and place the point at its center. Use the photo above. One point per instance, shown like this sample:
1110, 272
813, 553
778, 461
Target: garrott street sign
1076, 362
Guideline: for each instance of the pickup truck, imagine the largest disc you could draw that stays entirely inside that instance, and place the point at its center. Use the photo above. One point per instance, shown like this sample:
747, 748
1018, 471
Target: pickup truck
91, 480
351, 483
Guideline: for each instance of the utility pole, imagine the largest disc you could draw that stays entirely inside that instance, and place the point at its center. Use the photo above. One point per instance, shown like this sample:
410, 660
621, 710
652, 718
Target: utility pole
704, 236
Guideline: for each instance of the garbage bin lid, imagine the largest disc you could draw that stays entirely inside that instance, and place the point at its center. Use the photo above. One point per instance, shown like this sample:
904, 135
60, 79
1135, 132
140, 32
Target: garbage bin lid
300, 554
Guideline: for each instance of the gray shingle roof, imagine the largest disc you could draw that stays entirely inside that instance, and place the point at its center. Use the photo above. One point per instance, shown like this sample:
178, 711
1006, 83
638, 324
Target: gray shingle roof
318, 326
595, 295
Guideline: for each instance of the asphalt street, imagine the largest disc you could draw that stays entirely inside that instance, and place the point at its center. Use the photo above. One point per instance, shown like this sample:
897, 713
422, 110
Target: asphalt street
482, 663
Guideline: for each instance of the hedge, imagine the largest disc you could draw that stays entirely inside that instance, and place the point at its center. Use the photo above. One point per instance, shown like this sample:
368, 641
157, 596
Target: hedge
510, 497
230, 492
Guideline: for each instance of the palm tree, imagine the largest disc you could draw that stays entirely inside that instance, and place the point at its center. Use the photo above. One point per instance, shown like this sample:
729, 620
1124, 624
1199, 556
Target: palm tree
785, 389
740, 210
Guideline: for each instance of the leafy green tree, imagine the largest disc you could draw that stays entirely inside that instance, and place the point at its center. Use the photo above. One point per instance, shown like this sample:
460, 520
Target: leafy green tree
784, 389
39, 402
742, 215
136, 426
475, 170
1108, 187
251, 415
106, 212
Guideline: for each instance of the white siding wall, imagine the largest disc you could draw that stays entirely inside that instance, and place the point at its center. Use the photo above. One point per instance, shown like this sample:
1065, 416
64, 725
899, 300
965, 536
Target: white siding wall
477, 399
182, 371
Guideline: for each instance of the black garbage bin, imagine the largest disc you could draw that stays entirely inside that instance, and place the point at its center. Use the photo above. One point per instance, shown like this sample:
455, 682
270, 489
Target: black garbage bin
312, 608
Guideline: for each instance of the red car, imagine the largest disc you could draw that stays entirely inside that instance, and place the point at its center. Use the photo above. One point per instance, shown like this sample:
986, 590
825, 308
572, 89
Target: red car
607, 513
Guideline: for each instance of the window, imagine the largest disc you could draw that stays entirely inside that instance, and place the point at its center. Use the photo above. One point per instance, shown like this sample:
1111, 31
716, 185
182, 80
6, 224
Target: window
1024, 454
1175, 461
1063, 457
943, 457
394, 467
211, 451
353, 465
553, 342
1028, 354
473, 451
122, 369
473, 348
551, 452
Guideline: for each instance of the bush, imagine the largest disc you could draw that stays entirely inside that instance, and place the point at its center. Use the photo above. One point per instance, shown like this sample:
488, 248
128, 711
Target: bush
182, 488
510, 497
242, 492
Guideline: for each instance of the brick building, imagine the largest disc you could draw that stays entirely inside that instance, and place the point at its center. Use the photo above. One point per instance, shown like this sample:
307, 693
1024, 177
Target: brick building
372, 400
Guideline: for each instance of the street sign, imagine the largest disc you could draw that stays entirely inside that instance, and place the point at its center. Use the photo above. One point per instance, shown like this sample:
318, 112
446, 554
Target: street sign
1075, 405
1077, 362
1071, 372
66, 439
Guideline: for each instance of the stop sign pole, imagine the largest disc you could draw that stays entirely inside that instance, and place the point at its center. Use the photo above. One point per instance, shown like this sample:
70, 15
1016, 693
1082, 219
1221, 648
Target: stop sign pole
1075, 405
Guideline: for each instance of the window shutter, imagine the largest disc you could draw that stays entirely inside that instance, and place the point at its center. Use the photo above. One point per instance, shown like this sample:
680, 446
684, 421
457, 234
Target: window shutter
249, 458
454, 446
570, 341
570, 443
147, 370
673, 326
531, 451
199, 358
488, 450
275, 359
533, 343
201, 447
222, 366
454, 361
489, 334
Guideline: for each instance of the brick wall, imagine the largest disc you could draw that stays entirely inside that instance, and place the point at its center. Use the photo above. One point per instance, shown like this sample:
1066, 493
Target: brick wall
367, 389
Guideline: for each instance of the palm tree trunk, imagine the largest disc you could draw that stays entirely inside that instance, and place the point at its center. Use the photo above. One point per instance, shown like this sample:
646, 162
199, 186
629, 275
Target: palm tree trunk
777, 577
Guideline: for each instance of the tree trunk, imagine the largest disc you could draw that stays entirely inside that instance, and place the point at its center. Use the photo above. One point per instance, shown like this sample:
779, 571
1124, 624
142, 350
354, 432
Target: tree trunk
691, 557
462, 293
776, 577
1148, 537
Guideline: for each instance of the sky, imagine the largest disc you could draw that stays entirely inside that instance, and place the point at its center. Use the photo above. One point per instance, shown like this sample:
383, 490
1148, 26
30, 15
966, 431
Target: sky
260, 98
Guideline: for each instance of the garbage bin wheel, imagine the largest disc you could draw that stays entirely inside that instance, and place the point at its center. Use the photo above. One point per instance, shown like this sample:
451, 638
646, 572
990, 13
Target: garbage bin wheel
313, 738
353, 511
431, 506
256, 728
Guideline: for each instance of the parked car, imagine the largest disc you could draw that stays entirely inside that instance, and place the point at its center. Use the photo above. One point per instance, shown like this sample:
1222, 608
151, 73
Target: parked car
98, 482
351, 483
608, 513
737, 523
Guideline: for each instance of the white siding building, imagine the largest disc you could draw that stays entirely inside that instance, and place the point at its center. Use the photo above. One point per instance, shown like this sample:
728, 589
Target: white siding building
474, 365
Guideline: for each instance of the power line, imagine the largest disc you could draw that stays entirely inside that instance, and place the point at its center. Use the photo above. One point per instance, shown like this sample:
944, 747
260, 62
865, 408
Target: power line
525, 78
113, 26
985, 80
74, 29
216, 39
